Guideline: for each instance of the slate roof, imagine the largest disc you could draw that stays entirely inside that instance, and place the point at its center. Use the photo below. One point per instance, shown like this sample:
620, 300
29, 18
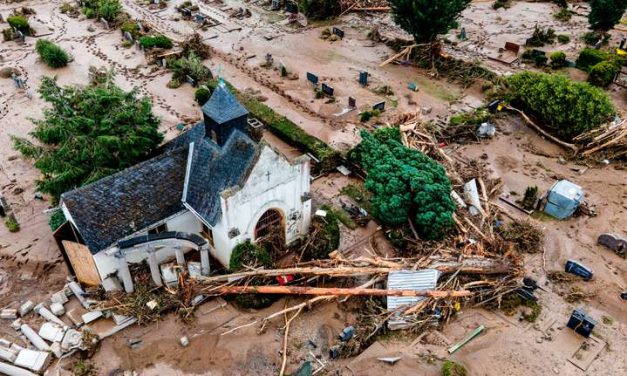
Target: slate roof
121, 204
222, 106
215, 169
194, 134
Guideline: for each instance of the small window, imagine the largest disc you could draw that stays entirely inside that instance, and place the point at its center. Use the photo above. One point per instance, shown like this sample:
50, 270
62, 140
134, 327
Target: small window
159, 229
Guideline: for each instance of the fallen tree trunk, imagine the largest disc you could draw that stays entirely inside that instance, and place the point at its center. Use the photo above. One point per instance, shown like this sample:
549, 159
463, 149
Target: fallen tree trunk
474, 265
305, 290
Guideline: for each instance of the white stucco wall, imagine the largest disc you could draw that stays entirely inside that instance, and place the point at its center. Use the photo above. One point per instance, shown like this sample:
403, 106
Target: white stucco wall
273, 183
107, 264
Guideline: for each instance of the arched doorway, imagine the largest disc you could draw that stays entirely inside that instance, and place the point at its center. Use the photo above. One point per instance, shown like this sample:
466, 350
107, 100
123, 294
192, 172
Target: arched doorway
270, 221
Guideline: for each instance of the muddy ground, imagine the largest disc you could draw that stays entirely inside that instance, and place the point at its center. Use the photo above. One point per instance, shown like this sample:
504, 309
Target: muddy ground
31, 267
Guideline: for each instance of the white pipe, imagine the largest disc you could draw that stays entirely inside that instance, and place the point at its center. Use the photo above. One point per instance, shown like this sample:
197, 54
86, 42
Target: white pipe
11, 370
34, 338
78, 292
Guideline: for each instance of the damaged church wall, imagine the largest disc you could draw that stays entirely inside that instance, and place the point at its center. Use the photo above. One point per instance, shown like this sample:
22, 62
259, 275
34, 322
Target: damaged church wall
273, 183
107, 263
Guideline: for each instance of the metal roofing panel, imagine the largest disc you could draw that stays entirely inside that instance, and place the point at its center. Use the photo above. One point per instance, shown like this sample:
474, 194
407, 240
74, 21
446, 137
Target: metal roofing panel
417, 280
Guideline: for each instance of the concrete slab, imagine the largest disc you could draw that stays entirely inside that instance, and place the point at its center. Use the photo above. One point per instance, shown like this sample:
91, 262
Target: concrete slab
34, 360
51, 332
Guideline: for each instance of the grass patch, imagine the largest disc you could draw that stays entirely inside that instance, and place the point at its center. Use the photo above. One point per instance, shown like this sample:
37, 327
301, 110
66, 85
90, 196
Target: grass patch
343, 217
12, 225
436, 90
451, 368
511, 302
359, 194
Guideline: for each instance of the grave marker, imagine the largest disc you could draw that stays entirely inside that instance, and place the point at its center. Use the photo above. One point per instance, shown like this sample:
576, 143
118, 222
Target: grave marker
339, 32
21, 37
312, 78
328, 90
104, 23
128, 36
379, 106
352, 103
190, 80
363, 78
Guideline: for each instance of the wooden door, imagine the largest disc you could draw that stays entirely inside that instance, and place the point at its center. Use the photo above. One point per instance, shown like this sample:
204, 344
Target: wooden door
83, 263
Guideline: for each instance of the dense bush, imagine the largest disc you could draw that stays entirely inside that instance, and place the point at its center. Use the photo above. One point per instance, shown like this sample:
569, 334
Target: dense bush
541, 37
190, 66
107, 9
563, 38
56, 220
158, 41
249, 254
130, 27
588, 57
602, 74
19, 23
568, 107
51, 54
202, 95
558, 60
12, 224
405, 184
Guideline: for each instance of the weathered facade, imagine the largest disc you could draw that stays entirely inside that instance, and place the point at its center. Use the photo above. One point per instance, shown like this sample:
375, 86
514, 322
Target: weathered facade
206, 191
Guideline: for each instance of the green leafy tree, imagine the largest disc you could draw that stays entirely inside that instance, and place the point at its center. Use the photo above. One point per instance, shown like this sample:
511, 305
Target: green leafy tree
51, 54
190, 66
88, 133
568, 107
602, 74
425, 19
405, 184
604, 14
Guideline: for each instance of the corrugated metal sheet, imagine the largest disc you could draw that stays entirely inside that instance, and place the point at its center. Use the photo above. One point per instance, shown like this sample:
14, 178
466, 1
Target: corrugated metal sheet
417, 280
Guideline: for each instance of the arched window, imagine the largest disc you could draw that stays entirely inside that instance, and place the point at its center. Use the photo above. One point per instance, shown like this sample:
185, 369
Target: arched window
271, 219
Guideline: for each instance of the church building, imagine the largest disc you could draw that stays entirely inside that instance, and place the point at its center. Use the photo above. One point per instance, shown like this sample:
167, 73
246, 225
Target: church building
204, 192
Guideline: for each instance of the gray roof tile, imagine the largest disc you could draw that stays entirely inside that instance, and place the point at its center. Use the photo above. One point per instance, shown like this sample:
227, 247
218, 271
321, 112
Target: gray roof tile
222, 106
213, 170
128, 201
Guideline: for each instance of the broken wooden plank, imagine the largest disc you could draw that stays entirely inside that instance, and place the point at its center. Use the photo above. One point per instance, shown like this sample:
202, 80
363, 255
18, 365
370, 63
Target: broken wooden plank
305, 290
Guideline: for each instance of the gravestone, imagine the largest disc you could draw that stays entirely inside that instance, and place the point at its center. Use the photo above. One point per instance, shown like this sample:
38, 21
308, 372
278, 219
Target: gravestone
328, 90
140, 26
276, 4
128, 36
291, 7
199, 17
104, 23
363, 78
269, 60
164, 63
312, 78
186, 12
462, 34
379, 106
352, 103
190, 80
20, 36
339, 32
29, 94
622, 43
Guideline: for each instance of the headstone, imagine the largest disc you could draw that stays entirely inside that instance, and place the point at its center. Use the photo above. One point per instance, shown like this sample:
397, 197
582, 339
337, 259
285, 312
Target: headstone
352, 103
312, 78
199, 17
164, 63
269, 60
276, 4
622, 43
190, 80
379, 106
128, 36
328, 90
104, 23
291, 7
462, 34
339, 32
363, 78
141, 27
186, 12
20, 36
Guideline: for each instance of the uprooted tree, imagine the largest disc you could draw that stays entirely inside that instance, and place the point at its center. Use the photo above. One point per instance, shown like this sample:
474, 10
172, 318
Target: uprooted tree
426, 19
88, 133
406, 184
569, 108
